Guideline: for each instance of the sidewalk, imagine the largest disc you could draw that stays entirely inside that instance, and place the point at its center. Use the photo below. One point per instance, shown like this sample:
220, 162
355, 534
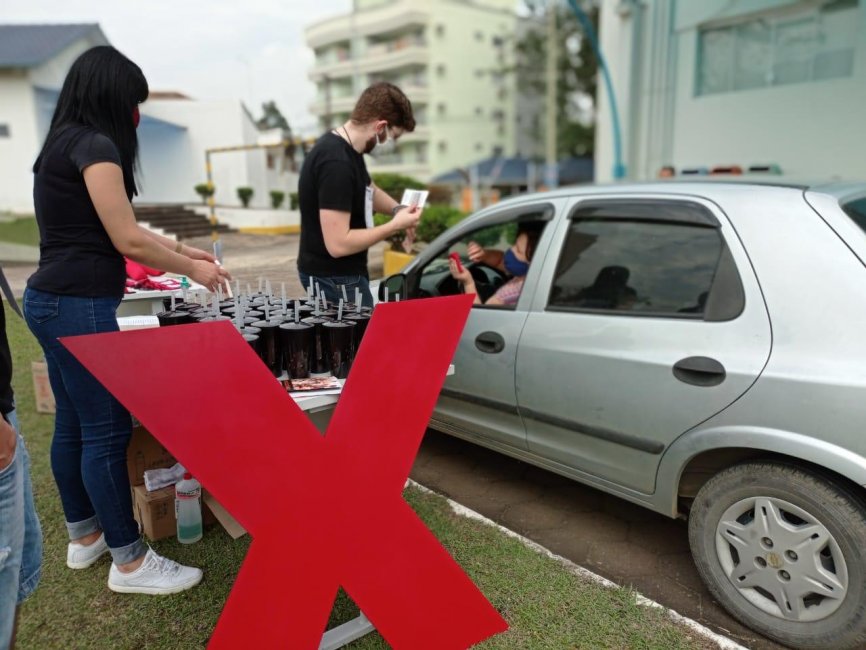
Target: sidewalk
18, 253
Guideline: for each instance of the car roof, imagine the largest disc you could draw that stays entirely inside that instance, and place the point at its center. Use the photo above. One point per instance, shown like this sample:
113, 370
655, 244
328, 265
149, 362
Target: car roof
704, 186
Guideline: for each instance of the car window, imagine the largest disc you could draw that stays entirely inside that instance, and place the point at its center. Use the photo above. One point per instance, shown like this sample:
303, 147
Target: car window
435, 277
857, 211
639, 266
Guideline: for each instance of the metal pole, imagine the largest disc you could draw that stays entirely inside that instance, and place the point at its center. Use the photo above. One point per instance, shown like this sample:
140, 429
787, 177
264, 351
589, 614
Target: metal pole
551, 175
619, 169
217, 245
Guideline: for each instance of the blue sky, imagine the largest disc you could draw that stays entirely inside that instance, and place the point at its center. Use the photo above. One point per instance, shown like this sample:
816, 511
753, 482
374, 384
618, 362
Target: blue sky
216, 49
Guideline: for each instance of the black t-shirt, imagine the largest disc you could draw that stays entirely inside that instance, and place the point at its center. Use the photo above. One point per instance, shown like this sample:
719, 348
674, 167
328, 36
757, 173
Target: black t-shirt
333, 177
6, 397
76, 256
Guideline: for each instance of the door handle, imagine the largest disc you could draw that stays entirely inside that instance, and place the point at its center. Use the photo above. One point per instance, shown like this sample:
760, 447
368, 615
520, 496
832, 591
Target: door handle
490, 342
700, 371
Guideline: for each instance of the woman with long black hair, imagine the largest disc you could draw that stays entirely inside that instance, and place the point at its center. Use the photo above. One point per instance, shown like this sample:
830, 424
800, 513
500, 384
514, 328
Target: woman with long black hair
83, 187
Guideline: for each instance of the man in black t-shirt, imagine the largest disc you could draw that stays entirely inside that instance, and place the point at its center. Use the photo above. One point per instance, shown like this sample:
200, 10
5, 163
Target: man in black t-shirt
337, 197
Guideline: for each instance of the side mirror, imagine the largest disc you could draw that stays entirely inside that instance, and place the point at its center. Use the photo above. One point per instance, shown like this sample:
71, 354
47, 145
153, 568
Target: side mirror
396, 284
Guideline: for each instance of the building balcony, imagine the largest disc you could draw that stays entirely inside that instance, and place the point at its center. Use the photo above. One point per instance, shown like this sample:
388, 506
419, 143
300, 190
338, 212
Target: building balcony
380, 20
343, 104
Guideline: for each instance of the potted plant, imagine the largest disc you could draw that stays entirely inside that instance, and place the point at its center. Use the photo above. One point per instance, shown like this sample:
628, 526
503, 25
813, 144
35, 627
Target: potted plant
245, 194
205, 191
277, 199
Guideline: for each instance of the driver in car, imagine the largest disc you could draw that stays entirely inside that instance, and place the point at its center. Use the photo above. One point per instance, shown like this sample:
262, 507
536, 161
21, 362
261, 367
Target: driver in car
514, 262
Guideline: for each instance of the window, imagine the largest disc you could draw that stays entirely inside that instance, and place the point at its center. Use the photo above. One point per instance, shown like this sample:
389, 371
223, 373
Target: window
441, 109
857, 211
647, 267
443, 146
479, 146
440, 30
4, 130
479, 36
811, 45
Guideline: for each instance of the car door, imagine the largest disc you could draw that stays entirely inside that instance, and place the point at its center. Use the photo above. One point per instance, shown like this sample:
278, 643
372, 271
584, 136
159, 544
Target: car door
648, 320
479, 401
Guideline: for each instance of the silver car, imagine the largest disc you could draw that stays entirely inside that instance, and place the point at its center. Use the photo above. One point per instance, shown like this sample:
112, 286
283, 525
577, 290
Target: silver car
697, 348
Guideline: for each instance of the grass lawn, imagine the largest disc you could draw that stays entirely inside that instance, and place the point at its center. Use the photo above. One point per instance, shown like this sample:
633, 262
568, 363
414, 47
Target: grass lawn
20, 231
547, 606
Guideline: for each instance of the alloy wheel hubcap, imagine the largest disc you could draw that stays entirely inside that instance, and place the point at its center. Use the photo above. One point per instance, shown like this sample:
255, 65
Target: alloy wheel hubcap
782, 559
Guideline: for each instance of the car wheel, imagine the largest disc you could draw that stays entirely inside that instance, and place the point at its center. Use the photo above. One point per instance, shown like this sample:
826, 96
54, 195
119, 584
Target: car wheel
784, 551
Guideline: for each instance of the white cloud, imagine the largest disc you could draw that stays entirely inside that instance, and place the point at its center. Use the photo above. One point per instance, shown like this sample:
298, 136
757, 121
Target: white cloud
214, 49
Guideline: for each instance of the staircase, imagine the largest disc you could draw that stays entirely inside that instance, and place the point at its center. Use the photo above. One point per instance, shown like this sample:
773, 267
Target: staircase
176, 220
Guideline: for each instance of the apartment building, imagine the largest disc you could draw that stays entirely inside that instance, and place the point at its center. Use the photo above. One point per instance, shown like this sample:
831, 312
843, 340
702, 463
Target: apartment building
448, 56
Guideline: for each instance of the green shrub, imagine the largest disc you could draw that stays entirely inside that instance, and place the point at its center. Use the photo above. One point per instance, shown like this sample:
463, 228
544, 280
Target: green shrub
245, 194
277, 199
294, 202
436, 219
394, 184
205, 190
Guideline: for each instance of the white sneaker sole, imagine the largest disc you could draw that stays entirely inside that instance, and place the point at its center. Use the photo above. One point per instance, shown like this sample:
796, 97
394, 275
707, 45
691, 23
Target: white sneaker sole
87, 564
154, 591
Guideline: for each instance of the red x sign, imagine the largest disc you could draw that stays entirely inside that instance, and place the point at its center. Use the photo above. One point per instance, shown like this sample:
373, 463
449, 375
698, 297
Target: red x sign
323, 512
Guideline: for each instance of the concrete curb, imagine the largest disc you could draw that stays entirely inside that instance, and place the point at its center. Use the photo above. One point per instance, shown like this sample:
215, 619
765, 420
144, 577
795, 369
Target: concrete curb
723, 642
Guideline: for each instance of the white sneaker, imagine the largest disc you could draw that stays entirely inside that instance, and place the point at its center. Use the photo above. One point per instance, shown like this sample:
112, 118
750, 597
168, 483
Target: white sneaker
79, 556
156, 576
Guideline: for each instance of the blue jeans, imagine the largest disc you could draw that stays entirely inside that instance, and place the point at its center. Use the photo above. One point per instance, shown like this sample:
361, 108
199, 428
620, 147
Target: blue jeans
20, 536
332, 285
91, 430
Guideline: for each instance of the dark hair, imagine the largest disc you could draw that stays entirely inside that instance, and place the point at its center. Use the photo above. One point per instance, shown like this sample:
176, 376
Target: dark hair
101, 91
384, 101
532, 230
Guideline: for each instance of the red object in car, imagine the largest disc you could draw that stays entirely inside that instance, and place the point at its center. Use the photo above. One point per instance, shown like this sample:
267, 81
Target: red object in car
456, 258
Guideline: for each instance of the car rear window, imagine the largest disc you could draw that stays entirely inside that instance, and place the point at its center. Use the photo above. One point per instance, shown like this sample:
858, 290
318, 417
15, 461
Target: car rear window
857, 211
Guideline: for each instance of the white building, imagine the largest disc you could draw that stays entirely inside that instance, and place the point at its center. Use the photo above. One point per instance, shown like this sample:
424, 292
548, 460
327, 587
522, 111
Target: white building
34, 60
447, 56
173, 135
718, 83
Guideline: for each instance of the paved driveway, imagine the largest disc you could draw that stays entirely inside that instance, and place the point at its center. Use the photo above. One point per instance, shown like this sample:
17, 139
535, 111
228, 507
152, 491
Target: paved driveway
623, 542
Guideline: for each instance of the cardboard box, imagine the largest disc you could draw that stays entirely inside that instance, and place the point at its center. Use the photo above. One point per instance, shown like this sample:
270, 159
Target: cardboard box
42, 388
145, 452
154, 511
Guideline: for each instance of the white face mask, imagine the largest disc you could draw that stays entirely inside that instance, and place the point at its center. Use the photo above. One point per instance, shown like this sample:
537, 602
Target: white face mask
388, 146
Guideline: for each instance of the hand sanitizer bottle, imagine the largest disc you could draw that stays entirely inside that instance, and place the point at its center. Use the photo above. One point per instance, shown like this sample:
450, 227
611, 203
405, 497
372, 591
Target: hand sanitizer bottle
187, 509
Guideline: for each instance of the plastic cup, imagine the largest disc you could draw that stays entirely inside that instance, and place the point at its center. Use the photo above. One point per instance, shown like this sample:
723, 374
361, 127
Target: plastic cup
321, 364
270, 346
361, 321
254, 342
299, 347
341, 347
167, 318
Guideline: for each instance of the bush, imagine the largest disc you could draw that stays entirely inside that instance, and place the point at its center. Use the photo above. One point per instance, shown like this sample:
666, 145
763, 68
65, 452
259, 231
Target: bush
394, 184
294, 202
396, 240
277, 199
205, 190
436, 219
245, 194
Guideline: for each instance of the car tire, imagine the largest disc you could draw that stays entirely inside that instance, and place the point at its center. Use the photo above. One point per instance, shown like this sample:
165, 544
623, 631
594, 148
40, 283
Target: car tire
764, 534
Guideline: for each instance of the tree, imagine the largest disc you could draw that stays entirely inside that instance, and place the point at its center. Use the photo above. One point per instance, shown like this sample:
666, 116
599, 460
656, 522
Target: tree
577, 68
273, 118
